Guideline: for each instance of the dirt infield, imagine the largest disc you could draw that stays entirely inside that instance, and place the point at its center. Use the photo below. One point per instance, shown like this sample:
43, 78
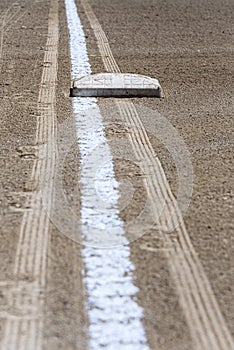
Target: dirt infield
189, 47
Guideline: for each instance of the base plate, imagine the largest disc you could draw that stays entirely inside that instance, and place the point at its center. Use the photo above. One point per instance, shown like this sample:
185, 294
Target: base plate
116, 85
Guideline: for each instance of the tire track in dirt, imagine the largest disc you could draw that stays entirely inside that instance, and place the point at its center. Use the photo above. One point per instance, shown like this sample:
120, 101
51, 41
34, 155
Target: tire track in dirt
206, 323
24, 321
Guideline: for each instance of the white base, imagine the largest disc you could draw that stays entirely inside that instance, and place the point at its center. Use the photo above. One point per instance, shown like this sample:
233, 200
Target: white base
116, 85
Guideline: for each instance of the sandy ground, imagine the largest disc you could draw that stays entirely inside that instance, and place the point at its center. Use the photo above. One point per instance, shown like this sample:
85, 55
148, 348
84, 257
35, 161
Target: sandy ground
188, 46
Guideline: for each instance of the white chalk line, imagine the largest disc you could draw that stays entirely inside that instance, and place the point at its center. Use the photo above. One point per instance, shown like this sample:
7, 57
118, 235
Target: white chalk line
114, 317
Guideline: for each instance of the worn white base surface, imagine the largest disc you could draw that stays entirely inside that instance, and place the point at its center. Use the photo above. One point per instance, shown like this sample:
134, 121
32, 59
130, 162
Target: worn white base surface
116, 85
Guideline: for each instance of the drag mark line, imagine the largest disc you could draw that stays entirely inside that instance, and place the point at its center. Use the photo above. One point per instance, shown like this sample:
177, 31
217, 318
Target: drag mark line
102, 41
209, 316
204, 318
114, 317
25, 331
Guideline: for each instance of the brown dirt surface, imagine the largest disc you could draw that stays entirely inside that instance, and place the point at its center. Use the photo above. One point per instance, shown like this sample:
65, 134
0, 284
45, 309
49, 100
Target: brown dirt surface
21, 67
188, 46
